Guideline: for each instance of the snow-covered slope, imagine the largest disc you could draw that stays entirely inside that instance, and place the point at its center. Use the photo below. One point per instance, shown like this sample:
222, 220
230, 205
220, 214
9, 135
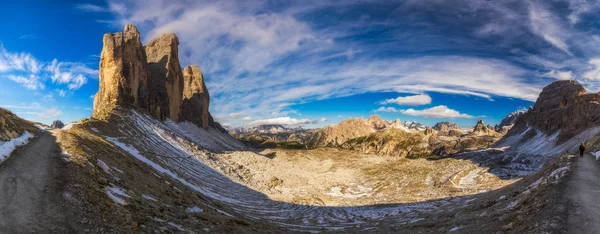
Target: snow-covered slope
543, 145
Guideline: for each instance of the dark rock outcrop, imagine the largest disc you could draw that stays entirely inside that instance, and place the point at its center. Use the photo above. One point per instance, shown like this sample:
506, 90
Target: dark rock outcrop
165, 84
508, 122
196, 98
561, 106
57, 124
447, 129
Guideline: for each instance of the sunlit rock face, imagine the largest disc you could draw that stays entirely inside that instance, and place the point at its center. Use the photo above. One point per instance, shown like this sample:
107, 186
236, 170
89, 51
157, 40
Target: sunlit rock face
123, 73
149, 78
195, 97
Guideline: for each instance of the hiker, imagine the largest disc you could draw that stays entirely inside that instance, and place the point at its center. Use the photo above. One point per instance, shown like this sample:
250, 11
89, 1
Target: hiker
581, 149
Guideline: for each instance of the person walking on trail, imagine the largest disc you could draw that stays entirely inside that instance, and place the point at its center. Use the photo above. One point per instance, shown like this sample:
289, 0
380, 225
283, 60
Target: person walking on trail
581, 149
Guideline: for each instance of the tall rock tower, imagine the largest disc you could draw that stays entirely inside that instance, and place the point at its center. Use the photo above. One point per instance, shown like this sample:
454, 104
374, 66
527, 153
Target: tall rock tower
166, 82
149, 78
123, 73
195, 97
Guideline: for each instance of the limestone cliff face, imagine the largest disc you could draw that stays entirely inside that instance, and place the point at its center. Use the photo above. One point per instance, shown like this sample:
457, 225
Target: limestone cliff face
195, 97
166, 82
149, 78
123, 73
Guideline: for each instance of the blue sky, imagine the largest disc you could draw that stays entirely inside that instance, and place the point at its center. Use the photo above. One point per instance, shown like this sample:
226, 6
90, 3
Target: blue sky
312, 63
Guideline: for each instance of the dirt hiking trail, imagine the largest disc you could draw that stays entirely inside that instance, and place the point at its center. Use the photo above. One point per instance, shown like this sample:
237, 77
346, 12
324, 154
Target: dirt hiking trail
583, 192
33, 197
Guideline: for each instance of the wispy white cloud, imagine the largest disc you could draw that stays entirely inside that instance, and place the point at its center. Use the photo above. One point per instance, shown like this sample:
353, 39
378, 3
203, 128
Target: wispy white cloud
436, 112
48, 98
28, 106
61, 92
31, 73
415, 100
548, 26
35, 110
31, 82
284, 121
49, 114
28, 36
386, 109
560, 75
247, 118
277, 59
235, 115
593, 72
91, 8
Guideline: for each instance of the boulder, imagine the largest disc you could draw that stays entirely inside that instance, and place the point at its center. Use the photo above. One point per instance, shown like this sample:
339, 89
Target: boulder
196, 98
123, 73
165, 86
57, 124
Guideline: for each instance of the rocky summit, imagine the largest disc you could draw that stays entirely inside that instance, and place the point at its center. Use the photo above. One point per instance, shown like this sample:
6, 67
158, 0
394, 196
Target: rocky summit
563, 107
481, 129
150, 79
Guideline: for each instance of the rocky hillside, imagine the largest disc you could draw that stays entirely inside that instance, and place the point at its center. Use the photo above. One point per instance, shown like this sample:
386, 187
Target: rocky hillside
336, 135
448, 129
149, 78
564, 115
508, 122
11, 126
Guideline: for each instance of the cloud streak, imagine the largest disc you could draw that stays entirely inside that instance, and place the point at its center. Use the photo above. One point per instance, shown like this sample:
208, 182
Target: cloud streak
436, 112
270, 57
286, 121
416, 100
26, 70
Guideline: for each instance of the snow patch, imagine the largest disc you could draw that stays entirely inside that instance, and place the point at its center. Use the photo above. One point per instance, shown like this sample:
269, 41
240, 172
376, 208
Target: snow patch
95, 130
7, 147
69, 126
194, 209
455, 229
104, 166
179, 227
351, 193
115, 193
149, 198
597, 154
42, 128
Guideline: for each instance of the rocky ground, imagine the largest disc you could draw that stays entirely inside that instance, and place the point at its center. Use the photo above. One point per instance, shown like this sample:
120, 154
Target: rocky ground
329, 190
335, 177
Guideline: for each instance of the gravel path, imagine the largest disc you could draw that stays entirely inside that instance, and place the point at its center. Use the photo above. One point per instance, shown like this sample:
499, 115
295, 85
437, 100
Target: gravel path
583, 192
33, 197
